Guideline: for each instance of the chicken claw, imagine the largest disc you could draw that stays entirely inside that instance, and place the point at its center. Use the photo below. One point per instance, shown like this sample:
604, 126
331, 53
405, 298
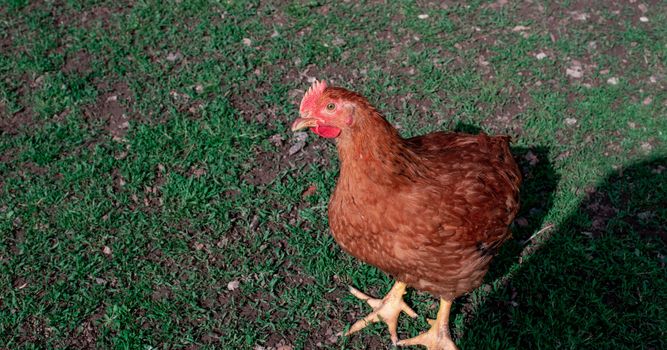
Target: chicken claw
436, 338
386, 310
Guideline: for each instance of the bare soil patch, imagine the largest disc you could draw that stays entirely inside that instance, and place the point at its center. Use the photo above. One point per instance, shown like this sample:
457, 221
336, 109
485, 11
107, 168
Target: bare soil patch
78, 62
12, 125
112, 109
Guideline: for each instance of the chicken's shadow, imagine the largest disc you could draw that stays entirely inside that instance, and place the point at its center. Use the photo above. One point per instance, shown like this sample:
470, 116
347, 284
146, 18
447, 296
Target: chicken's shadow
596, 281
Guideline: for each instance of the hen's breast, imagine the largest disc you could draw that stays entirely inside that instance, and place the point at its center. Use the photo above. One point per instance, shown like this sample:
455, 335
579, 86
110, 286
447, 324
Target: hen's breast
437, 231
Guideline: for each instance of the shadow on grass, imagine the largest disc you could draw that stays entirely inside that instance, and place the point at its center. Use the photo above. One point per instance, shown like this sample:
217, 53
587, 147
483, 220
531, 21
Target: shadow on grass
598, 281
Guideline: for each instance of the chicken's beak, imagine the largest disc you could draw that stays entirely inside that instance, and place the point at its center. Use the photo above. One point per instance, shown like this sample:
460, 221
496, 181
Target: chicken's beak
304, 122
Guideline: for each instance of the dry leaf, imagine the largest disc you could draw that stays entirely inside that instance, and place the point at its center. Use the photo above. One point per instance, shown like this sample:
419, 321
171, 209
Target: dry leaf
309, 191
233, 285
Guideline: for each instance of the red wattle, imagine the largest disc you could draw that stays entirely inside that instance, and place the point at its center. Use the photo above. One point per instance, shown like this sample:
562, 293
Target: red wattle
326, 131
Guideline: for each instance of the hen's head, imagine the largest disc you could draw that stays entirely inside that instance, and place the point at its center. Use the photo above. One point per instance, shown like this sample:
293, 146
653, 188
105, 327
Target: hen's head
327, 111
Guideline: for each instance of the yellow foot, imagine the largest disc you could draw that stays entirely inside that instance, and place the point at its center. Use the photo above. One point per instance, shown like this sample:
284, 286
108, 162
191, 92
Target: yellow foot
386, 310
436, 338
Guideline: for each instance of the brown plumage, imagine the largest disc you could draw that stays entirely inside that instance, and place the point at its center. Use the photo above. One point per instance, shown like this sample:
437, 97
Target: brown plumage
431, 211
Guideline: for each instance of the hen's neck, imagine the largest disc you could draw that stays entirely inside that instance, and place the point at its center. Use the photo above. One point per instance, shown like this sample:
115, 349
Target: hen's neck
375, 151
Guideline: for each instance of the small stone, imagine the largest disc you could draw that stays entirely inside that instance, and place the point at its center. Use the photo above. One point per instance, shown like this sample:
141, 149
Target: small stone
632, 125
541, 56
645, 215
423, 16
531, 158
254, 223
612, 81
339, 42
174, 56
199, 246
275, 34
107, 251
646, 147
197, 172
112, 98
579, 16
570, 121
643, 19
300, 136
121, 155
520, 28
199, 88
100, 281
276, 140
247, 41
295, 148
233, 285
643, 8
574, 72
647, 101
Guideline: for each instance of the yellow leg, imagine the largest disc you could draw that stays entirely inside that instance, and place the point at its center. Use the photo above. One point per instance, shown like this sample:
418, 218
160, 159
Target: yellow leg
436, 338
386, 310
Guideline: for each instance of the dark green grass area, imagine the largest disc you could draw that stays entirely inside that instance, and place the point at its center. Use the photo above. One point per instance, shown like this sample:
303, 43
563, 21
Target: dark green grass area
149, 198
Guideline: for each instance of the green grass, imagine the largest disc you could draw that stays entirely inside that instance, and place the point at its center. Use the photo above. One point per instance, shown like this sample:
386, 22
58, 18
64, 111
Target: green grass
194, 194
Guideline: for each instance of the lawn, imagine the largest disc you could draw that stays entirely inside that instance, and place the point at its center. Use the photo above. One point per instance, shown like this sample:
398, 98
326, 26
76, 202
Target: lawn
153, 197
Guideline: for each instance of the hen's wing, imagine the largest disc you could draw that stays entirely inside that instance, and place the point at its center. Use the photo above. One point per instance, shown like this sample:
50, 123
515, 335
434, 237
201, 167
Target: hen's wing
465, 206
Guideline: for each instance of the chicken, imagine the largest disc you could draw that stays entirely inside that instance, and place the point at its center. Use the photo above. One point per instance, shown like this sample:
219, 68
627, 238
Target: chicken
431, 211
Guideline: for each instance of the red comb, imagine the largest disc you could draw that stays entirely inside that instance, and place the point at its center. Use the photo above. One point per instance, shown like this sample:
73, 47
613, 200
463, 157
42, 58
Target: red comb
312, 94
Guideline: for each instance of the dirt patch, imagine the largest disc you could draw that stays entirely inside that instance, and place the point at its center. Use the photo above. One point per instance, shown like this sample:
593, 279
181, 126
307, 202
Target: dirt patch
78, 62
34, 330
33, 168
111, 109
90, 17
86, 334
21, 120
161, 293
289, 154
506, 120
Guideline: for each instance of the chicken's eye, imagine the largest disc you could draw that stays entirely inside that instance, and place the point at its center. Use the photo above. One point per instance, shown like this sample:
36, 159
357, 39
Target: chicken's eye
331, 106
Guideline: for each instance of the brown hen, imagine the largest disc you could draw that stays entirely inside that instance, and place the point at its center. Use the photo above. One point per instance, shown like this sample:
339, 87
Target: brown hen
431, 211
